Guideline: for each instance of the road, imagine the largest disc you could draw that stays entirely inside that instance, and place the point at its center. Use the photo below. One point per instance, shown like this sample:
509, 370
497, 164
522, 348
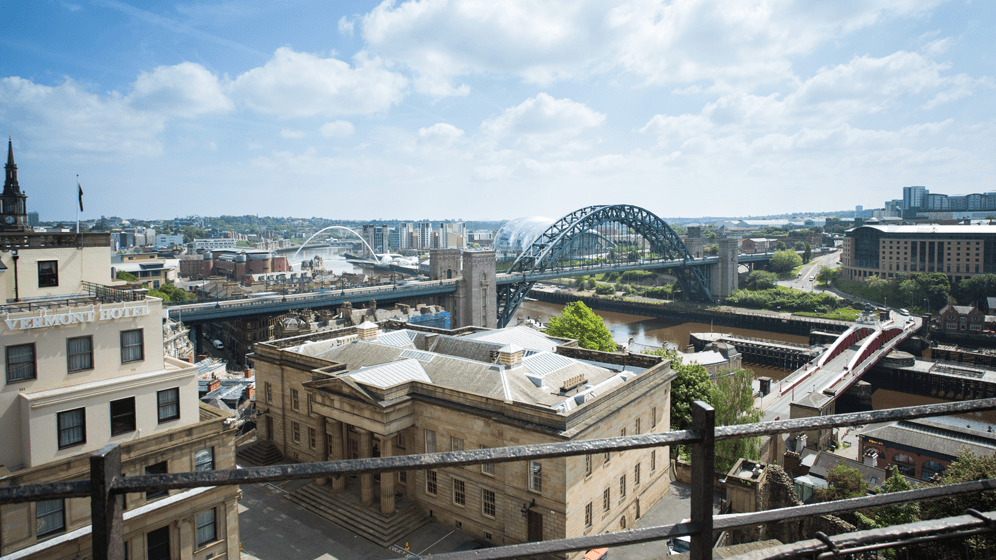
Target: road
803, 282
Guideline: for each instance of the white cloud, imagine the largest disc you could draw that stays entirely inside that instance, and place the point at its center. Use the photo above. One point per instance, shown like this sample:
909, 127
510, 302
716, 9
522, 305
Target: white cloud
439, 133
542, 122
337, 129
184, 90
68, 119
289, 133
345, 27
715, 41
294, 84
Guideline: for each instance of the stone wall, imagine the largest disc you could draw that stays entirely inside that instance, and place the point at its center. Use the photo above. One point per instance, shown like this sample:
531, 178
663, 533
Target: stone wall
778, 492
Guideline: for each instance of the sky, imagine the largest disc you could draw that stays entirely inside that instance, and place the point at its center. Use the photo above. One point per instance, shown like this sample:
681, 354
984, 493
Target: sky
476, 110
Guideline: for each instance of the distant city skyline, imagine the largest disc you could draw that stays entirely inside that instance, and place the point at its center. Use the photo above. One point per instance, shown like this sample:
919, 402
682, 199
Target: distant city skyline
442, 108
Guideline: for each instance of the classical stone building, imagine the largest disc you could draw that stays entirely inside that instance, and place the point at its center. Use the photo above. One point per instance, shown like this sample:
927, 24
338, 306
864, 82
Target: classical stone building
394, 388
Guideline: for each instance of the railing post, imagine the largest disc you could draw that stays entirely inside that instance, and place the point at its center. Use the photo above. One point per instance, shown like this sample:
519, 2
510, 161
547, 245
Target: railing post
703, 466
106, 509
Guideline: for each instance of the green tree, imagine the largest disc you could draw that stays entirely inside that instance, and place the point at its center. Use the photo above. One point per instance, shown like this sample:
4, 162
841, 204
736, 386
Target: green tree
582, 324
827, 275
733, 399
897, 515
966, 468
807, 254
784, 261
691, 384
976, 289
605, 289
126, 276
843, 482
760, 280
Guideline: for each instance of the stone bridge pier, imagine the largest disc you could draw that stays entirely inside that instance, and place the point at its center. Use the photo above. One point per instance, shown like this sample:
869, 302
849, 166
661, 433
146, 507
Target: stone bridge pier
476, 299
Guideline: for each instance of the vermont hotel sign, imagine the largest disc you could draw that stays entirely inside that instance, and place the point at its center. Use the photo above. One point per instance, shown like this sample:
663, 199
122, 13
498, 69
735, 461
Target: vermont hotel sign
45, 319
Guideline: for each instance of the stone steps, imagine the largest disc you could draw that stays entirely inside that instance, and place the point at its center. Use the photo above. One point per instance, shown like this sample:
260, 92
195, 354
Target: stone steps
345, 509
261, 453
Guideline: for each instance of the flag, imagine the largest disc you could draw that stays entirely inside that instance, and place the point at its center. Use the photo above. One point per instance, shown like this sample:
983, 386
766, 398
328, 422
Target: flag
81, 193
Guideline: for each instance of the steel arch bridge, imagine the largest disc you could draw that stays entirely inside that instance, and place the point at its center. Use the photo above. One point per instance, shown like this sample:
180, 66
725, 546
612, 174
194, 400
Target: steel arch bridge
568, 243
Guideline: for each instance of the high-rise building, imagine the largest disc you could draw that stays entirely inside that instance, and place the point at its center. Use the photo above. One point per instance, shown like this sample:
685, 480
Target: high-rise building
914, 197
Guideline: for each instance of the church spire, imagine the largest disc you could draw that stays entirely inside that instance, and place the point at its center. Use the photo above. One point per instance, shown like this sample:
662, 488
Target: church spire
10, 185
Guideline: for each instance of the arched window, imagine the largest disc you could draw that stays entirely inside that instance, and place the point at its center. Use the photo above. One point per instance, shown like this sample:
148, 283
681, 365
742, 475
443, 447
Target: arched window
902, 458
930, 468
904, 464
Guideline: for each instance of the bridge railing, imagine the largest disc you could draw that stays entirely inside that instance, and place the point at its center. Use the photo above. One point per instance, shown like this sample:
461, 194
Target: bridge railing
106, 487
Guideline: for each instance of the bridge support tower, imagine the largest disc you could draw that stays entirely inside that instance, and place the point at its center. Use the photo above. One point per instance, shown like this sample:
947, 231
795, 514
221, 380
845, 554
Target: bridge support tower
475, 302
725, 279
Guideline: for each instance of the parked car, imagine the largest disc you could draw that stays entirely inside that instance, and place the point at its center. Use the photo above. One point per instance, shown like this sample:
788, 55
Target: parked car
677, 545
218, 344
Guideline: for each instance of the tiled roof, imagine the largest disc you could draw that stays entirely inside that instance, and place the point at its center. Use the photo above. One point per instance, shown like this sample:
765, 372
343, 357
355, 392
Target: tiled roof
934, 437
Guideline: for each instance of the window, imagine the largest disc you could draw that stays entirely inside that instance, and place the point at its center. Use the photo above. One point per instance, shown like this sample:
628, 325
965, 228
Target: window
296, 432
399, 441
204, 459
637, 432
607, 457
587, 465
459, 492
535, 476
123, 416
269, 392
158, 468
622, 432
636, 475
72, 428
456, 444
21, 362
487, 468
295, 401
50, 517
622, 488
587, 514
48, 274
312, 438
653, 460
430, 482
132, 349
80, 352
488, 506
606, 499
207, 531
430, 441
169, 404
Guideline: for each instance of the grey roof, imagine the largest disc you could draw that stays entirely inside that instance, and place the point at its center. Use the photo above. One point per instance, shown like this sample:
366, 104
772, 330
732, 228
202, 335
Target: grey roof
826, 461
935, 437
391, 373
526, 337
933, 228
401, 339
464, 347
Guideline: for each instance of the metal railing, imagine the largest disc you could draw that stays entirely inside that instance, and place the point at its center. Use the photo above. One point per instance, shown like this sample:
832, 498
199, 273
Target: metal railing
106, 487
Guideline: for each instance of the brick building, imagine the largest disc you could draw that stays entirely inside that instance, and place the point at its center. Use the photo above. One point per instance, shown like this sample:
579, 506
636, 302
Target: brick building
237, 266
922, 448
376, 390
961, 319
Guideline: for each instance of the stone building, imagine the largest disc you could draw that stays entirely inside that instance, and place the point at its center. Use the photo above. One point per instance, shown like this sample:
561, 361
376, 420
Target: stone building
395, 388
85, 366
924, 447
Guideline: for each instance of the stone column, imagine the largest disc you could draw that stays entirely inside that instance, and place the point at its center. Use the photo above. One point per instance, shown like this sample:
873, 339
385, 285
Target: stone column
386, 479
323, 444
336, 451
187, 538
366, 480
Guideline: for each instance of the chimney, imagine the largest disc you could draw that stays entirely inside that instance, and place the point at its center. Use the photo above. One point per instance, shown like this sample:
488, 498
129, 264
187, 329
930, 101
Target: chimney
510, 355
871, 458
800, 443
367, 330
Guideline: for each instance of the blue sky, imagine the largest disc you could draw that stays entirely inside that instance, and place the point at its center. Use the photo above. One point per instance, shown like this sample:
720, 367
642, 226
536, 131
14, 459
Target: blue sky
436, 109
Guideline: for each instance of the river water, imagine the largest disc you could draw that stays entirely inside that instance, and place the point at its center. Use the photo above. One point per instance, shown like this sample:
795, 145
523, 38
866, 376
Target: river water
650, 332
331, 257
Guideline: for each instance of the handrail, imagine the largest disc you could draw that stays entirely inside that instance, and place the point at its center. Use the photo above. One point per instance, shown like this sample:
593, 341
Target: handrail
107, 487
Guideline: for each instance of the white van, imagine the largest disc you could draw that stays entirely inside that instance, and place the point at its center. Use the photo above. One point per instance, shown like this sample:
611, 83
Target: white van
217, 344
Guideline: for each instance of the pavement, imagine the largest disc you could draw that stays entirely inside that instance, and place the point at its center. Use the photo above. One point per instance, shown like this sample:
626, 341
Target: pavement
803, 282
273, 527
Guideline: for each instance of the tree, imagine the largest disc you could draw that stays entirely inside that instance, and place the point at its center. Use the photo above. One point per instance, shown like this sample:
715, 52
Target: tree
733, 399
976, 289
760, 280
843, 482
784, 261
897, 515
966, 468
691, 384
807, 254
827, 275
126, 276
582, 324
605, 289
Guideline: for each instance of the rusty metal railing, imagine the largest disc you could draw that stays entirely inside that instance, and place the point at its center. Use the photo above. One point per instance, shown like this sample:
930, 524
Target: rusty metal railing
106, 486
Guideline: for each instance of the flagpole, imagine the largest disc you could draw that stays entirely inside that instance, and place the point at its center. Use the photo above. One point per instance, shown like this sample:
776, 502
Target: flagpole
77, 206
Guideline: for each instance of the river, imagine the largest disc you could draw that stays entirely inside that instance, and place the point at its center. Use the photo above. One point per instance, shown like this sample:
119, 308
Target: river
331, 257
650, 333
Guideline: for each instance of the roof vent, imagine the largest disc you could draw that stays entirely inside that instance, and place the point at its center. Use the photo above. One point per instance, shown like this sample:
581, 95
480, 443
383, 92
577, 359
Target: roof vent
510, 355
367, 330
573, 382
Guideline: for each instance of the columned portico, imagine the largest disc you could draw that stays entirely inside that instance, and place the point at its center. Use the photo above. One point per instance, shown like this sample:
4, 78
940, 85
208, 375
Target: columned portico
386, 479
366, 480
336, 451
